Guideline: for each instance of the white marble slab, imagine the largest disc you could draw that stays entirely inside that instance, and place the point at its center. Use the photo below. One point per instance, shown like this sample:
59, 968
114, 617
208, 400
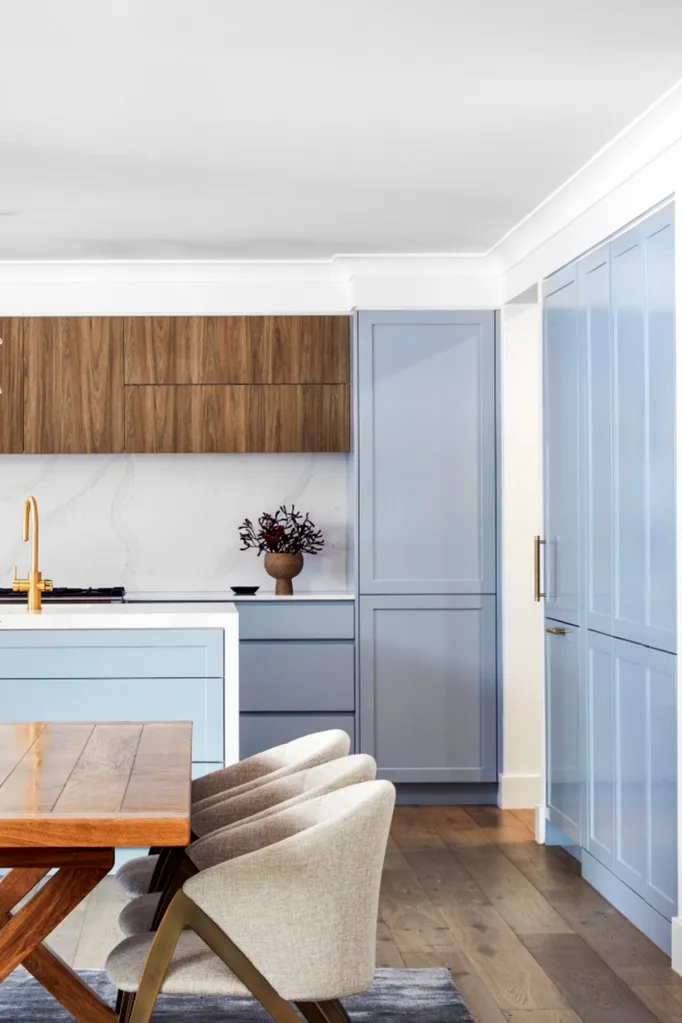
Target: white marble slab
169, 522
159, 596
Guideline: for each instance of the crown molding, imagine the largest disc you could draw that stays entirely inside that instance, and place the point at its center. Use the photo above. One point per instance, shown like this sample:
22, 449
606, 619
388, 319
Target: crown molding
637, 170
645, 141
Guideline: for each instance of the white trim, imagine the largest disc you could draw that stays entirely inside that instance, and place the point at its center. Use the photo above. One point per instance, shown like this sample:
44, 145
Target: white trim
214, 287
676, 944
651, 133
540, 824
519, 791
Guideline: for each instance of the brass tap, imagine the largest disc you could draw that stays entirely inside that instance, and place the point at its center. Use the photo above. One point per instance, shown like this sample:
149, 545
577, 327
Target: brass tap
34, 585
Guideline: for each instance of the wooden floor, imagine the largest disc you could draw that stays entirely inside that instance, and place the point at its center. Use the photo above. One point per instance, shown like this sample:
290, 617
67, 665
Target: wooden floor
526, 939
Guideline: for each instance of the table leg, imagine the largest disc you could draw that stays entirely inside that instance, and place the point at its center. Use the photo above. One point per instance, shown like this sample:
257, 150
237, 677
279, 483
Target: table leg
18, 883
40, 916
21, 934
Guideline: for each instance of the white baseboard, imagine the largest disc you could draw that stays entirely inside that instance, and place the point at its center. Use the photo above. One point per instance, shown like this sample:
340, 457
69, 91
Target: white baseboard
519, 791
676, 944
541, 824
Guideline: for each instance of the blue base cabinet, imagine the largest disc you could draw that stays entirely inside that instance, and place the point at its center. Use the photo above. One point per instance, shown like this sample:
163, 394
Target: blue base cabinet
296, 671
632, 741
565, 774
118, 675
428, 667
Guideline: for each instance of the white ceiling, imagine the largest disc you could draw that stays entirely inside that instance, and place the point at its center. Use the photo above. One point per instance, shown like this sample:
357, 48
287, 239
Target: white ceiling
300, 129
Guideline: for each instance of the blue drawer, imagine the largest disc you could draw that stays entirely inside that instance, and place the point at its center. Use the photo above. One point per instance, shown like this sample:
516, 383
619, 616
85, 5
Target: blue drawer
258, 732
297, 676
299, 620
112, 653
123, 699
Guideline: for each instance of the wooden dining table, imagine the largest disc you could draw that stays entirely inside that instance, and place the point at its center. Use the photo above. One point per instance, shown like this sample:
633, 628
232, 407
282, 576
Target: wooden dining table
70, 795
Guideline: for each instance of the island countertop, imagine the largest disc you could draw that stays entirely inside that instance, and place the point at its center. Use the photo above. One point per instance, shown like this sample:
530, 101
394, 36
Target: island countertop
123, 616
218, 596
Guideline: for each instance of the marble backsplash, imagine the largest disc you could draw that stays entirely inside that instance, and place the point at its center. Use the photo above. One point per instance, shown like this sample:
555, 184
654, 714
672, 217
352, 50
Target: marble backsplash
168, 522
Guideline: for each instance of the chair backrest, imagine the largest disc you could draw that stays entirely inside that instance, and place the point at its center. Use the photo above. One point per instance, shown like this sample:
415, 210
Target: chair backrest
284, 792
298, 891
297, 755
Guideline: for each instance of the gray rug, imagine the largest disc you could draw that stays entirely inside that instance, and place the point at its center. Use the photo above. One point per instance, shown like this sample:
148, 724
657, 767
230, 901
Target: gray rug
398, 996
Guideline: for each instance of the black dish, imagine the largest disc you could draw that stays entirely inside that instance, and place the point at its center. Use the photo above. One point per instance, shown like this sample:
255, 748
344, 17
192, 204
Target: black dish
244, 591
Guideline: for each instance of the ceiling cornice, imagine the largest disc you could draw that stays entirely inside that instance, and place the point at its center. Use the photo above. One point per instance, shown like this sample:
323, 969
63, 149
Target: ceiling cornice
346, 281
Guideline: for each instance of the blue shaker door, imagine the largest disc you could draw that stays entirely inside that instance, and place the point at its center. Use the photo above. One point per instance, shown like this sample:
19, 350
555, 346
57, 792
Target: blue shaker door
643, 302
426, 443
563, 702
562, 445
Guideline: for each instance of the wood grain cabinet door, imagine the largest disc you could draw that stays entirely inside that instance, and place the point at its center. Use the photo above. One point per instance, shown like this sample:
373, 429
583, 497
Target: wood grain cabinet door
74, 392
11, 387
236, 418
237, 350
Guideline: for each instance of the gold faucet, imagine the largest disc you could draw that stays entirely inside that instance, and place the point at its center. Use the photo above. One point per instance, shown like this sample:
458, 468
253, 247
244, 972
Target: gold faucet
35, 585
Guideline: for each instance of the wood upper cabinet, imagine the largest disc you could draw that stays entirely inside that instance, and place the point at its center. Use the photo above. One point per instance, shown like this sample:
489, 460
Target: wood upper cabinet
11, 387
100, 385
237, 350
74, 393
234, 418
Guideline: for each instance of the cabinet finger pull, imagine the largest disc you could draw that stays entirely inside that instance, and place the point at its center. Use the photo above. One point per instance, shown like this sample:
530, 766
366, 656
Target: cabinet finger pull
553, 631
538, 543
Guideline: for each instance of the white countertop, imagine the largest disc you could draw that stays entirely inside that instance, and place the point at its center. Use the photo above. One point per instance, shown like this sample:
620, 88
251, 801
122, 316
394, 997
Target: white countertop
121, 616
208, 597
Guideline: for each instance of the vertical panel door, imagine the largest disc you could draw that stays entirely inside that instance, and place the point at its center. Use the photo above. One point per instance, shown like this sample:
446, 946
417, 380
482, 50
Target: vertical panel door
426, 442
74, 385
563, 405
11, 387
646, 773
565, 774
601, 748
428, 695
642, 286
595, 325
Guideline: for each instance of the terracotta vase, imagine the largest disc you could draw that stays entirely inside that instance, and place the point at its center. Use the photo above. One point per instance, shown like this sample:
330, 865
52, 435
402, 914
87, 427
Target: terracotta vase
283, 568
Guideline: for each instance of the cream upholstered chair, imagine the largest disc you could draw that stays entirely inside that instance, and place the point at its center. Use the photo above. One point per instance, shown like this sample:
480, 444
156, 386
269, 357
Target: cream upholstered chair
141, 913
136, 876
284, 908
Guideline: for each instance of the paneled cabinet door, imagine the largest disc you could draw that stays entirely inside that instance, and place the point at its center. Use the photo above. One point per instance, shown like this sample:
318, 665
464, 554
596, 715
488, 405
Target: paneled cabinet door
643, 310
563, 405
601, 748
11, 387
237, 350
645, 769
565, 774
426, 440
427, 687
595, 325
74, 385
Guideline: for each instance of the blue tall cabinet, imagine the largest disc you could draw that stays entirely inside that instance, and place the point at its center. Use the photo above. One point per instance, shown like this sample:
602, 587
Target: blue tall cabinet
426, 557
609, 567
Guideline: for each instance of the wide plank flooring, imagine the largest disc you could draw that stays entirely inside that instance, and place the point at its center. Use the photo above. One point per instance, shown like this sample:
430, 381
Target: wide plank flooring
526, 939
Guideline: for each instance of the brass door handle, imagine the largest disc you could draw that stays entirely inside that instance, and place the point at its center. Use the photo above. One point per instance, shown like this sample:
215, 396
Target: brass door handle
537, 544
553, 631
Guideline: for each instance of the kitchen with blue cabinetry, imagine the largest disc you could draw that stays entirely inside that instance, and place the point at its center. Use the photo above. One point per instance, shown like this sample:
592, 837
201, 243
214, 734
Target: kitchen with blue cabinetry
608, 569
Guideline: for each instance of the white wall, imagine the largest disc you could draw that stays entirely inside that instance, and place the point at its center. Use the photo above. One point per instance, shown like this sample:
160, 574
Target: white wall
522, 637
168, 522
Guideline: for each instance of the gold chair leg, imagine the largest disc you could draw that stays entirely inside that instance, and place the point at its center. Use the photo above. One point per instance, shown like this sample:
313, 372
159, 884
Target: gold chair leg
323, 1012
124, 1006
184, 913
312, 1012
335, 1011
